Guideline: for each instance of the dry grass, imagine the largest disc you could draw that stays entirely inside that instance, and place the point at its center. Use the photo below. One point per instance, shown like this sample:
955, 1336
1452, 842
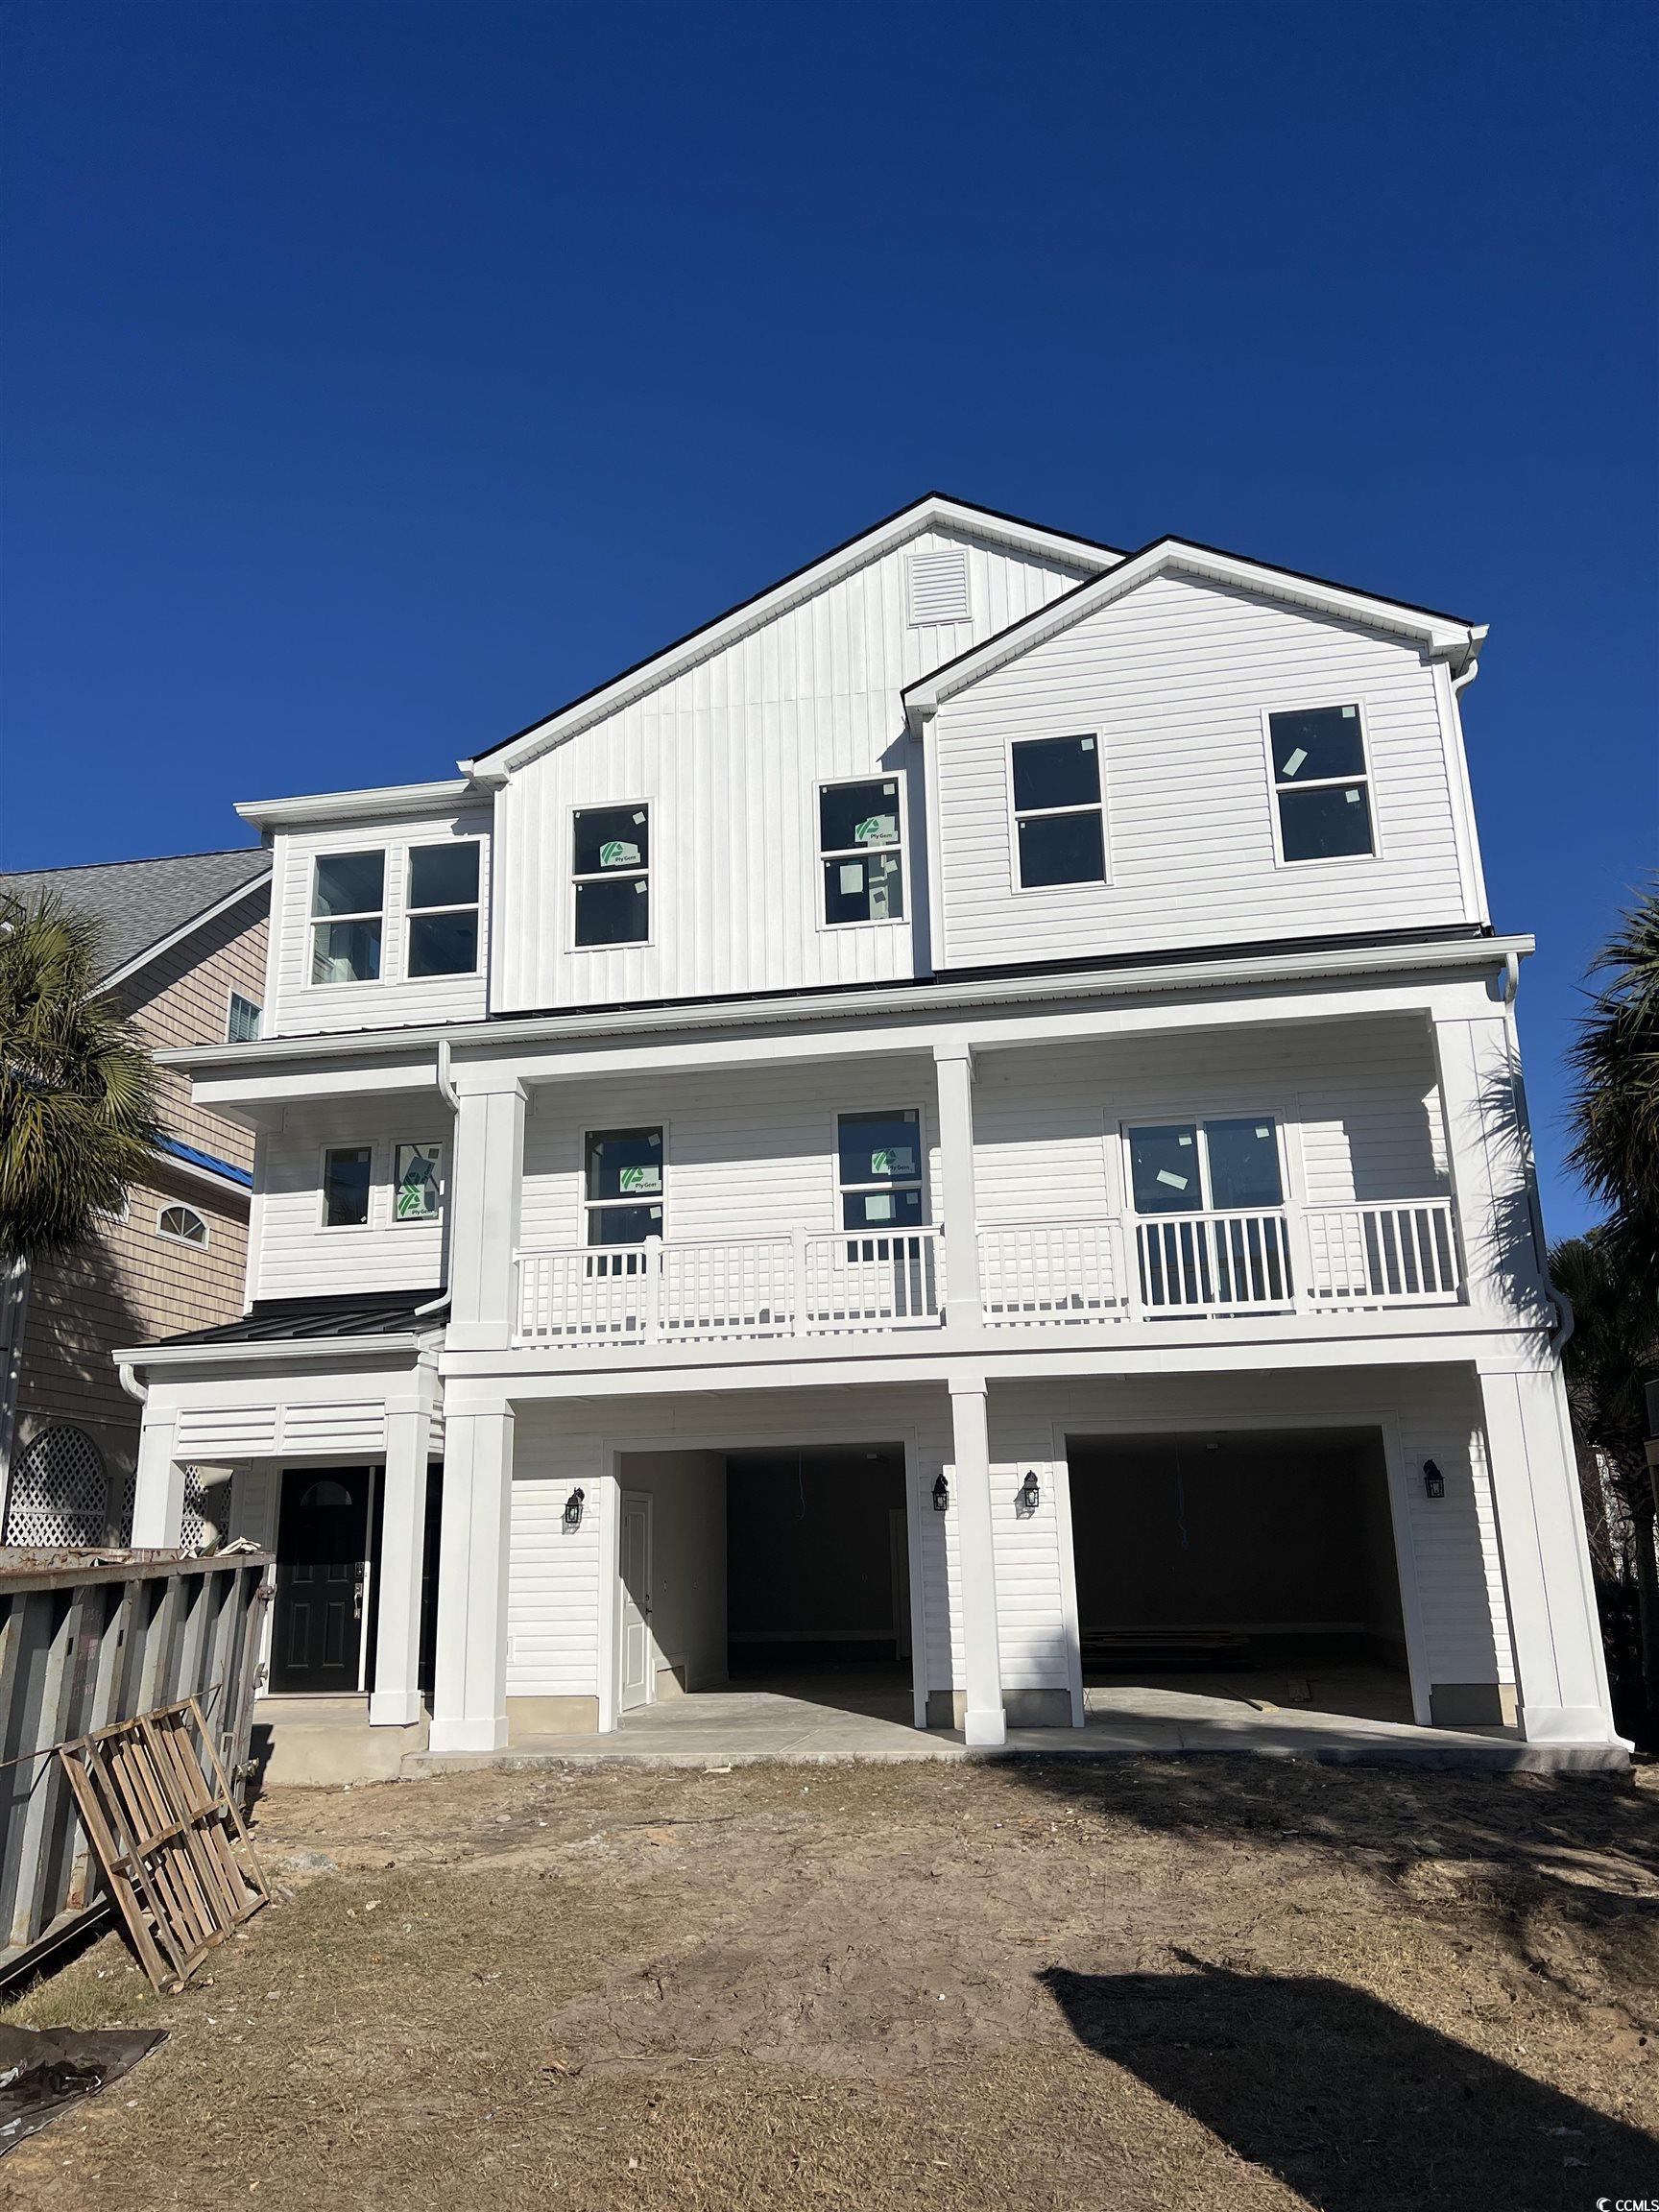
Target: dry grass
1164, 1983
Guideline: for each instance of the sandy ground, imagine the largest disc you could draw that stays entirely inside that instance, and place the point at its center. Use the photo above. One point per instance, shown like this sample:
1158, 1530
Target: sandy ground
1154, 1983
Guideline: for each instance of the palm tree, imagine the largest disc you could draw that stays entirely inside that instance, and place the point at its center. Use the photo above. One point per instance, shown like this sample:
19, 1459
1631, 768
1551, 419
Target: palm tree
1615, 1110
1615, 1335
77, 1085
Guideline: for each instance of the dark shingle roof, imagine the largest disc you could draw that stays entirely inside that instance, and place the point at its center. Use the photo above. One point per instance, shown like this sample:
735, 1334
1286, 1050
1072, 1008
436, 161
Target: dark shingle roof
281, 1320
140, 902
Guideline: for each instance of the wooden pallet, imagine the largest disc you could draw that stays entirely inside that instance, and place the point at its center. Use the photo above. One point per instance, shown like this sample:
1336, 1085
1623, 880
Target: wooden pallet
168, 1835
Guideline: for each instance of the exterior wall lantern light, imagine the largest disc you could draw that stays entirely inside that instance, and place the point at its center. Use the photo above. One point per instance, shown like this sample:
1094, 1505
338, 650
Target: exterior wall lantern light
1433, 1482
1029, 1496
941, 1495
573, 1510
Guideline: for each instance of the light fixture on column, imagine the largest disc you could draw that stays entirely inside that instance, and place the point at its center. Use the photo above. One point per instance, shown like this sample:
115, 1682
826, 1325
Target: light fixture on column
941, 1495
1433, 1482
573, 1509
1028, 1496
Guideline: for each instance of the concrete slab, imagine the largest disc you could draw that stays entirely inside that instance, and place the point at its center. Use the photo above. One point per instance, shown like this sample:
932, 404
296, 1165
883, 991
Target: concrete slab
319, 1742
741, 1726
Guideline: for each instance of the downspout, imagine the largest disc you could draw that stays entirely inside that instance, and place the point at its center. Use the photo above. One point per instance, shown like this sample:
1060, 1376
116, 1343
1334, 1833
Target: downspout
131, 1383
446, 1092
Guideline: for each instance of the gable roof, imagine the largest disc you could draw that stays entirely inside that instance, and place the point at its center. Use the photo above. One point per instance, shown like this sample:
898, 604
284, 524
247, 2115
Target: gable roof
1447, 636
933, 510
143, 906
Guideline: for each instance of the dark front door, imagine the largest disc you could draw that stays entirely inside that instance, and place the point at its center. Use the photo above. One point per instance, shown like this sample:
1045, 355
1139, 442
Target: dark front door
322, 1552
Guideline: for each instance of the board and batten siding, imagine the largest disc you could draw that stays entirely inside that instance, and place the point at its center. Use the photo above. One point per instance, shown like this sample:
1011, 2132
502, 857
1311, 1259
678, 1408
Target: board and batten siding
1172, 680
295, 1006
729, 754
295, 1256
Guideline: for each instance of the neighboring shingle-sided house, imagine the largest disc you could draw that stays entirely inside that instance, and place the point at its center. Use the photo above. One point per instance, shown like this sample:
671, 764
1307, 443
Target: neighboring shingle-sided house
184, 949
963, 1118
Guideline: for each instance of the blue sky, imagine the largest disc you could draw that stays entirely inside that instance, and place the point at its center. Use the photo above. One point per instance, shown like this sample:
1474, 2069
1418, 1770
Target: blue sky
381, 375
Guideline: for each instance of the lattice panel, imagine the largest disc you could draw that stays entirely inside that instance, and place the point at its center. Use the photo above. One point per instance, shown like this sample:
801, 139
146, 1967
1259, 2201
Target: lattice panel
192, 1528
59, 1490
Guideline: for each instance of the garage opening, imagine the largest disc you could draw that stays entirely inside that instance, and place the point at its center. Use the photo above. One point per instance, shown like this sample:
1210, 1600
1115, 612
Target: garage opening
1255, 1564
776, 1572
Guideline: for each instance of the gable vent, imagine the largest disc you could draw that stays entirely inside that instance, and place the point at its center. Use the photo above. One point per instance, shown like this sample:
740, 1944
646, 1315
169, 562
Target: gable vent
939, 586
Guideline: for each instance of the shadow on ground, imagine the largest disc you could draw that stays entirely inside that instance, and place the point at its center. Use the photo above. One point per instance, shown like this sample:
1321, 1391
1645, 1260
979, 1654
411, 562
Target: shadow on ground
1354, 2105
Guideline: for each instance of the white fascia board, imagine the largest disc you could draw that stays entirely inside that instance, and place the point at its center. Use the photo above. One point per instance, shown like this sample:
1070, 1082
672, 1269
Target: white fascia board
389, 803
223, 1186
928, 513
186, 929
1447, 639
926, 1003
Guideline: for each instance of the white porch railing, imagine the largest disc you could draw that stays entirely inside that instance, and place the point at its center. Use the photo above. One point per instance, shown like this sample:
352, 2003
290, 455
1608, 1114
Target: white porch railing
1214, 1262
845, 1281
1066, 1271
1404, 1253
1319, 1259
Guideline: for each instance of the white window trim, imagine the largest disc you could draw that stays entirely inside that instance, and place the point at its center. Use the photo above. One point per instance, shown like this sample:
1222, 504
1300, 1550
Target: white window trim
346, 1228
898, 777
171, 1235
411, 912
425, 1144
586, 1205
1322, 783
231, 994
1164, 1117
643, 944
919, 1180
315, 921
1022, 889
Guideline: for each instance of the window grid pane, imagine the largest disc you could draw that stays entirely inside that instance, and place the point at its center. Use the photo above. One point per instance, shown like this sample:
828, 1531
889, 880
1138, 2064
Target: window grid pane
442, 876
1054, 772
346, 1178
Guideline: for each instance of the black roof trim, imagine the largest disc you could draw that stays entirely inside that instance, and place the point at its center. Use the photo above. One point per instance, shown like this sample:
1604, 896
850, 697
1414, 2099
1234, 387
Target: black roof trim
288, 1320
661, 652
1197, 545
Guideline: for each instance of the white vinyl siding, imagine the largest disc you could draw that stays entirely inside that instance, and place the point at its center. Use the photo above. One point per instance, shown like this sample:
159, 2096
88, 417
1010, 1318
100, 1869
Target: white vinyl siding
1177, 677
732, 753
295, 1006
298, 1258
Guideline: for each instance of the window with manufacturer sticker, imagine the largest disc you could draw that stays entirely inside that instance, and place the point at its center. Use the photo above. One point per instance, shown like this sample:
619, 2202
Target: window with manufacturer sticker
1321, 783
879, 1167
622, 1187
1059, 818
611, 868
860, 851
1229, 1165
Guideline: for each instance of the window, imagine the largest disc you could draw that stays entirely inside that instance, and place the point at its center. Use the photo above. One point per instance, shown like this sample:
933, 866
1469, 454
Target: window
1227, 1167
184, 1225
623, 1188
443, 910
612, 870
860, 850
880, 1161
417, 1182
346, 1179
243, 1025
348, 902
1058, 822
1321, 786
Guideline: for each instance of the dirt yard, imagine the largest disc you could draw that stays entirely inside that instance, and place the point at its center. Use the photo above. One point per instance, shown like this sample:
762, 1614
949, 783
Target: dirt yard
1200, 1984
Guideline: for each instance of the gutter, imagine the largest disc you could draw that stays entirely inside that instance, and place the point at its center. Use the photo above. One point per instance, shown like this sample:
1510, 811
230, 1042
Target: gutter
446, 1092
282, 1352
504, 1033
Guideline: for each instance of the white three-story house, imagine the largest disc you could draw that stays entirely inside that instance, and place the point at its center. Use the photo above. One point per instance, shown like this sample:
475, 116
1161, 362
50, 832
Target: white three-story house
963, 1118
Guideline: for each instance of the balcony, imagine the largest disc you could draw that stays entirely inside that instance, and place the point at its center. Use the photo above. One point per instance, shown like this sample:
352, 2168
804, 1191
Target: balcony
1317, 1259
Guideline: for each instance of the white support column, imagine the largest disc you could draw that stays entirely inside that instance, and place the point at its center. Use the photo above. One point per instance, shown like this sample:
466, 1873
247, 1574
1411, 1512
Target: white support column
1489, 1152
469, 1691
395, 1702
953, 1070
984, 1721
486, 1184
159, 1486
1561, 1672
